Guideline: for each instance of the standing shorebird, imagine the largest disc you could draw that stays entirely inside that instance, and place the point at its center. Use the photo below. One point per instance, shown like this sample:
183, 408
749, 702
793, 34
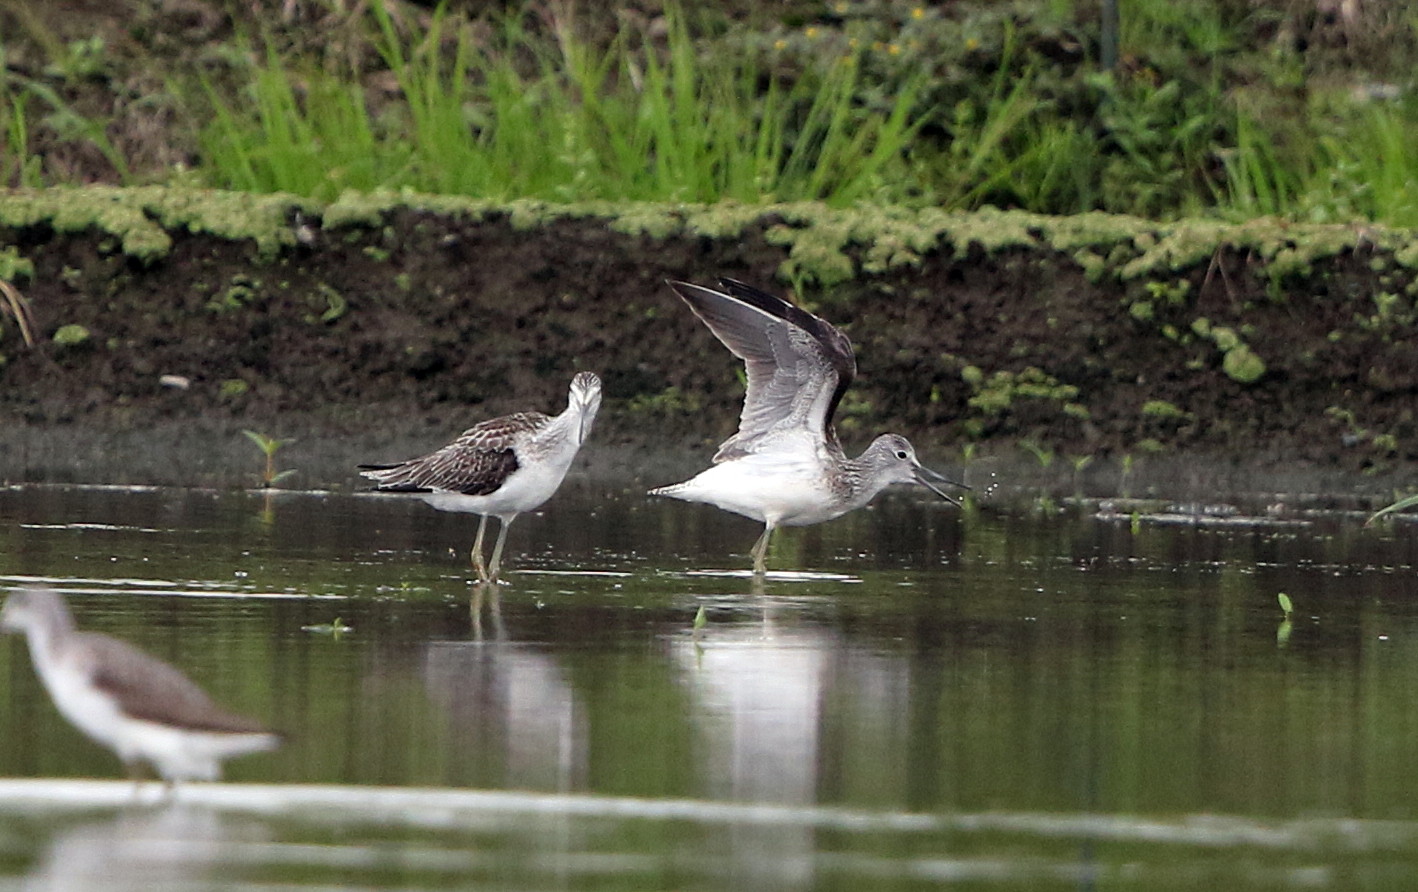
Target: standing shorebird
785, 466
499, 468
136, 705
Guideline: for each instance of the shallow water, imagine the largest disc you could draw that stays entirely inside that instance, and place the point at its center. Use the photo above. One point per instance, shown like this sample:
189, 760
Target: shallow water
1019, 696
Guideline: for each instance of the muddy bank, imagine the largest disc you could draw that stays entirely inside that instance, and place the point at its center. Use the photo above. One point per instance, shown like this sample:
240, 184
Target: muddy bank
374, 326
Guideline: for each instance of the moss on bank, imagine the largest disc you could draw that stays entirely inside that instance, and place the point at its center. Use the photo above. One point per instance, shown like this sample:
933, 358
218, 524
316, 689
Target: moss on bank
825, 246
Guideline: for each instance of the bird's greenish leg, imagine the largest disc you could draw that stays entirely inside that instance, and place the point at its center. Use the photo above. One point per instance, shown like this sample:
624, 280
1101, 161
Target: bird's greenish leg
497, 549
760, 551
478, 550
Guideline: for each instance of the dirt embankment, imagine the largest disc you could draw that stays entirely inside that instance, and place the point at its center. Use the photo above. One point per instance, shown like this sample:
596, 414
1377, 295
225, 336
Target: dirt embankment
377, 326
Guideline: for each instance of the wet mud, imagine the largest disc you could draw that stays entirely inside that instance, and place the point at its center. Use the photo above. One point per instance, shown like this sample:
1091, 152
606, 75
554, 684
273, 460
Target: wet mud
389, 333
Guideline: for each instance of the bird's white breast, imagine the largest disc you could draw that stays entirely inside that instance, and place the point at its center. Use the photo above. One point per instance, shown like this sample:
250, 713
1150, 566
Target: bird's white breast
527, 488
83, 705
775, 488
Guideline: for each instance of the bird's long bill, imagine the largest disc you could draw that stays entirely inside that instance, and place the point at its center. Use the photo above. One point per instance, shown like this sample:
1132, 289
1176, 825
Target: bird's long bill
933, 481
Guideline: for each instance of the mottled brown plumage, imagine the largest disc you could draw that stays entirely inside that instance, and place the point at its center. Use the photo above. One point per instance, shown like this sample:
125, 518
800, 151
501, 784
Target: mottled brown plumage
475, 464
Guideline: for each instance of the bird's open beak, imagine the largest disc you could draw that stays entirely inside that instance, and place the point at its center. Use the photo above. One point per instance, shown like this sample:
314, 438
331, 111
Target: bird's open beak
933, 481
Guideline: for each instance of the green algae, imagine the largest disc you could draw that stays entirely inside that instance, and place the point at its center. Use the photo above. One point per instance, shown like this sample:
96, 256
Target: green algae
823, 246
1182, 246
1287, 249
1407, 255
726, 220
327, 305
143, 218
1238, 360
14, 266
71, 335
371, 209
816, 249
1163, 409
1243, 365
654, 221
997, 393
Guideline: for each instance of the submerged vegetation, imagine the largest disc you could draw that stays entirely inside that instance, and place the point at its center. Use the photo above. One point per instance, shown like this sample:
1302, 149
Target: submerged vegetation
1218, 107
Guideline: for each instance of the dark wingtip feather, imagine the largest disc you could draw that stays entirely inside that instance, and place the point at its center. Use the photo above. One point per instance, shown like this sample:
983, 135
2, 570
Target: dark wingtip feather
746, 292
835, 345
391, 486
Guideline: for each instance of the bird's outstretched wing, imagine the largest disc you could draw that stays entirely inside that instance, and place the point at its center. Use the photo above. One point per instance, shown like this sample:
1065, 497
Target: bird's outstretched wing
798, 364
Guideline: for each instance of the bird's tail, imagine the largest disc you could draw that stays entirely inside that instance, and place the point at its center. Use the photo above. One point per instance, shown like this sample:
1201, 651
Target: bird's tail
390, 478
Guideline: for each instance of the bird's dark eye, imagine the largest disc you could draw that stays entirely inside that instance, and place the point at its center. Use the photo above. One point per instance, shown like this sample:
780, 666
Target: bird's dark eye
901, 453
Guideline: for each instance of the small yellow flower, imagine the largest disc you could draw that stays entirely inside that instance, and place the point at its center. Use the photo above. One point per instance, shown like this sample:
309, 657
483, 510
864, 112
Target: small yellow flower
840, 8
811, 32
780, 44
918, 13
893, 49
971, 44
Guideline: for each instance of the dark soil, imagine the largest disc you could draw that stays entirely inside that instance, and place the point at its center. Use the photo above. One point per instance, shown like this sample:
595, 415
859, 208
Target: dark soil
433, 323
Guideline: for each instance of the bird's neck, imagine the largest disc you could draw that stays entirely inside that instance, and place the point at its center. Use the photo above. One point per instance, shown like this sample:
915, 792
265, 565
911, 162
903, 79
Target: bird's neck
864, 480
567, 425
47, 638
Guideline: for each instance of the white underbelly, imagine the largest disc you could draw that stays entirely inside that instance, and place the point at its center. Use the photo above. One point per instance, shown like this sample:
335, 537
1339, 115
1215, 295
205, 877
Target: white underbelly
523, 491
83, 705
772, 492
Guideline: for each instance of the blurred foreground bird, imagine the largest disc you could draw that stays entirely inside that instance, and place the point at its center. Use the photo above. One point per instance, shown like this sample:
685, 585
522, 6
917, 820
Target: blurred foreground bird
136, 705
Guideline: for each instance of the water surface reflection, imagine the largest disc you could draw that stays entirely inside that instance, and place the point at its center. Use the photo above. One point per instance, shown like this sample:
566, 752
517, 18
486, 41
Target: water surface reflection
1059, 695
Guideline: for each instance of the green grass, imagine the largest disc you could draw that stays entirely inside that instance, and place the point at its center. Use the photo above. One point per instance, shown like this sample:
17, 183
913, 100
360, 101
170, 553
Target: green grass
1346, 164
20, 103
959, 106
1369, 167
554, 118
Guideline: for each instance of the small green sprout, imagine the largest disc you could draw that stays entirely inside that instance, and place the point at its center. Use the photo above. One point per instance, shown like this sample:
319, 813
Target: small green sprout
335, 628
1282, 632
269, 446
1400, 505
700, 620
1042, 454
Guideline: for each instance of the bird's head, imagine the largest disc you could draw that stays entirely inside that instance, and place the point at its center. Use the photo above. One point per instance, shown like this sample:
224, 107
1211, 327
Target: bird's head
585, 399
894, 459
